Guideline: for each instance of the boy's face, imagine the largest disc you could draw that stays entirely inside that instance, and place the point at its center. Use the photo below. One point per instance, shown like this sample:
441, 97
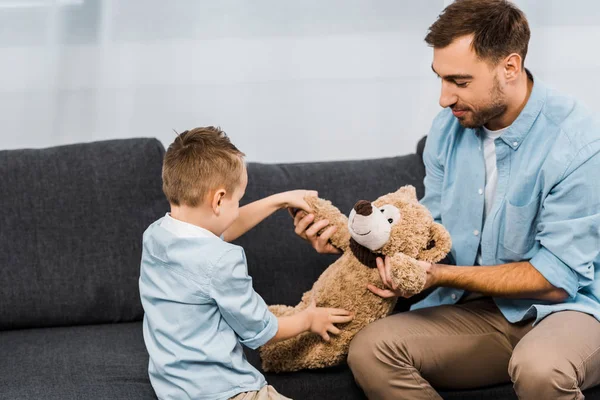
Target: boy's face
230, 206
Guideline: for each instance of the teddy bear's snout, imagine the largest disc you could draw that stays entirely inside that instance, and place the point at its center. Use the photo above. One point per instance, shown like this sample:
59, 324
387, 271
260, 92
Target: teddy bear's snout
363, 207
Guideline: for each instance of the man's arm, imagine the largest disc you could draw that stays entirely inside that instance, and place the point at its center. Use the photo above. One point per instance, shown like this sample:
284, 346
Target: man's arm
253, 213
514, 280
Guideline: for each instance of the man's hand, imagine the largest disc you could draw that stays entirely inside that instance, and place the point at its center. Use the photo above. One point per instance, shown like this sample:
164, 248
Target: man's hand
385, 272
307, 230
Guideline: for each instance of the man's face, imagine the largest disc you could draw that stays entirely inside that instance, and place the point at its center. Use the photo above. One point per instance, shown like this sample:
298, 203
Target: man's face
470, 86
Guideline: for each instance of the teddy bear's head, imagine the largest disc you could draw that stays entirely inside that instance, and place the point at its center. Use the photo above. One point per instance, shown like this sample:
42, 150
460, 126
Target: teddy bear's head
393, 223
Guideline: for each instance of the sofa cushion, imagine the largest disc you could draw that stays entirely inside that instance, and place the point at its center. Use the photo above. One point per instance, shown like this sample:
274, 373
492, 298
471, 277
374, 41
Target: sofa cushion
73, 363
110, 362
70, 231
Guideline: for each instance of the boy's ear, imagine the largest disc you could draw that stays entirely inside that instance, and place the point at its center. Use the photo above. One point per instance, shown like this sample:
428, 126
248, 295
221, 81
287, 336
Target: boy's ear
217, 200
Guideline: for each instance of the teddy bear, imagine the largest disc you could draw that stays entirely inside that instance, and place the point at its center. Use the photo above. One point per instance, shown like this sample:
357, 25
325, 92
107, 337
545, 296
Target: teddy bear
395, 225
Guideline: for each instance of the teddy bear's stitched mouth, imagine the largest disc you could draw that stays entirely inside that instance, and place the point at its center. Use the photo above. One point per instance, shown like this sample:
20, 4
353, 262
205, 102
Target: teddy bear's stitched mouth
361, 234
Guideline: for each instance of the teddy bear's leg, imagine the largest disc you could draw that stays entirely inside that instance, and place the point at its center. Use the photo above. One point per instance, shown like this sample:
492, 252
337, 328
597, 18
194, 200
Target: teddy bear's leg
307, 351
292, 354
284, 356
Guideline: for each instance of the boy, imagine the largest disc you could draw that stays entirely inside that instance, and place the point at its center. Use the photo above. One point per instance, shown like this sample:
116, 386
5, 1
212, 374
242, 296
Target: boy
197, 296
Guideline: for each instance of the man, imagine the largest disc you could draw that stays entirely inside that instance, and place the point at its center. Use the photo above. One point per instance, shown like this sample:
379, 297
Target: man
511, 172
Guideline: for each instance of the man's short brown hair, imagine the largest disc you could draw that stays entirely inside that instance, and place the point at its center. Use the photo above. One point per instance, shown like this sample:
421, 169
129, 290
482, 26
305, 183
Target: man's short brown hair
198, 161
499, 28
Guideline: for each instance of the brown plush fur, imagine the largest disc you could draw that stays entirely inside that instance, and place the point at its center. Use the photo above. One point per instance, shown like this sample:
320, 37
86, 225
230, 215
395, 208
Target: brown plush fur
344, 283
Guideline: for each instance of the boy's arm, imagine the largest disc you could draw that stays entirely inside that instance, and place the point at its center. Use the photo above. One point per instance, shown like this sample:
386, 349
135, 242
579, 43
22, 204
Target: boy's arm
253, 213
241, 307
247, 314
314, 319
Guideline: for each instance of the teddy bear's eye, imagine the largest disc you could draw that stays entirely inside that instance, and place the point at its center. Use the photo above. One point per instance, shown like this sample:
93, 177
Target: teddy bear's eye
382, 210
390, 220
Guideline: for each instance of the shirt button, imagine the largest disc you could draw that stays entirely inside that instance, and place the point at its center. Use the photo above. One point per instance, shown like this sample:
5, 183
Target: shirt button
476, 232
480, 191
515, 144
453, 296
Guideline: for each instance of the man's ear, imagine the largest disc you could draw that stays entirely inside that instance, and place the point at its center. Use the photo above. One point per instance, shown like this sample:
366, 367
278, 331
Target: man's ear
512, 67
217, 200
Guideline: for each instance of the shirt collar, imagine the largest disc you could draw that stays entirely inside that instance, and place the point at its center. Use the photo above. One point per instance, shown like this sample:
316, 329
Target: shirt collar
518, 130
183, 229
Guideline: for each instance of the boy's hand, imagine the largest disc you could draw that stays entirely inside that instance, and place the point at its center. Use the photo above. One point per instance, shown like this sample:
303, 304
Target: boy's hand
322, 320
295, 199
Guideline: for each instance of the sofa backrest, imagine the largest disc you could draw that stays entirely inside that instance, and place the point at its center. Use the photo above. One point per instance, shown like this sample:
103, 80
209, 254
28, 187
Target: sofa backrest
71, 225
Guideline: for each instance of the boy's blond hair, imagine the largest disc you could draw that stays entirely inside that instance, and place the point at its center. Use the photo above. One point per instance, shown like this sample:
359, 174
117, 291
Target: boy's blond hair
199, 161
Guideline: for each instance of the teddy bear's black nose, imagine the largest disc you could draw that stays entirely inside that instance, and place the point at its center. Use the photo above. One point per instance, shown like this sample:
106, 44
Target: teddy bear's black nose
363, 207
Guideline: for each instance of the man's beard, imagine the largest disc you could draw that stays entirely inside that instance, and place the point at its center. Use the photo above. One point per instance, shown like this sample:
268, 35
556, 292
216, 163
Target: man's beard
484, 114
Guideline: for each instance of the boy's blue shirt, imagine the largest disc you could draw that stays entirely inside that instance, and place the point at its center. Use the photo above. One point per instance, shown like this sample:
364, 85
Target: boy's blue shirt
200, 308
547, 204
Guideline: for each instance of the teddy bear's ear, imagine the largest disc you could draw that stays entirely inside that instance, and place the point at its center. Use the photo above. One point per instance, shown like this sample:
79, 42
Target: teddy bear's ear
408, 192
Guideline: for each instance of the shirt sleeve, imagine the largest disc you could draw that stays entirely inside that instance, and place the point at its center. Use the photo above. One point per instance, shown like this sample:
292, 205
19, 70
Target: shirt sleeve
569, 225
242, 308
434, 172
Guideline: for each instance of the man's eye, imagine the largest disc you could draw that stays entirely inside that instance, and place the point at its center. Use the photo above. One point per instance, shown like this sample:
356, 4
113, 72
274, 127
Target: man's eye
462, 85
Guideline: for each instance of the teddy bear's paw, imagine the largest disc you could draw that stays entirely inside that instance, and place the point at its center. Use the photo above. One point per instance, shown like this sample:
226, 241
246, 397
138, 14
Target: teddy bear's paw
407, 274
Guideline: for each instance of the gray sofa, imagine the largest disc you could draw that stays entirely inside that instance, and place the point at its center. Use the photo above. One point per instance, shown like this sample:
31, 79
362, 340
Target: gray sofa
71, 224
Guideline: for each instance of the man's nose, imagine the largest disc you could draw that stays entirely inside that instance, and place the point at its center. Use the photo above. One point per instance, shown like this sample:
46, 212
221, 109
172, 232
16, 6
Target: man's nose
447, 97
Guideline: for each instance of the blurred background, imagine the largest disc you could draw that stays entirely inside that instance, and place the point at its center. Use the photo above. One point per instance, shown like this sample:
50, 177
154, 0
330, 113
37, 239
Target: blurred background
287, 80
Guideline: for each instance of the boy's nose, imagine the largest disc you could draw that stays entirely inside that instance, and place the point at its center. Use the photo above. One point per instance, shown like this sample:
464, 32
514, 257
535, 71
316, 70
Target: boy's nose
363, 207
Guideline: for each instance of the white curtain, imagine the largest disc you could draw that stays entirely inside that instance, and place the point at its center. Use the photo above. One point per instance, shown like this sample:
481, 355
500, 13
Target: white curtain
287, 80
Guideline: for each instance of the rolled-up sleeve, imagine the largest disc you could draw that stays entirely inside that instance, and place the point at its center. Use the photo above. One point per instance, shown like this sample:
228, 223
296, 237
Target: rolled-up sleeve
242, 308
569, 225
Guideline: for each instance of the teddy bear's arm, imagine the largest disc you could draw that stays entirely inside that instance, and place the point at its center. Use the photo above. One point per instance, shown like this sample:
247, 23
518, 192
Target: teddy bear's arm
407, 274
439, 246
323, 209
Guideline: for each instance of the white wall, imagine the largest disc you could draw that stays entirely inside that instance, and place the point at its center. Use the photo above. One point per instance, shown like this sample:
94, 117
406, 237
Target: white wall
287, 80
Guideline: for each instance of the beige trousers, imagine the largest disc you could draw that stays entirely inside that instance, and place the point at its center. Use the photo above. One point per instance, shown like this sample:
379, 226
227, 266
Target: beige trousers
472, 345
266, 393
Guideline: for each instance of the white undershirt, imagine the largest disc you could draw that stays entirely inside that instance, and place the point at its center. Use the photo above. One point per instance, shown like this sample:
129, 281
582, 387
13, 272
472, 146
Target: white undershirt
491, 173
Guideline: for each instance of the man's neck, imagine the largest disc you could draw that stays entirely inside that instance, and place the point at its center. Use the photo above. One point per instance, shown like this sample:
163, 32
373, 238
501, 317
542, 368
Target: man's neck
514, 108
